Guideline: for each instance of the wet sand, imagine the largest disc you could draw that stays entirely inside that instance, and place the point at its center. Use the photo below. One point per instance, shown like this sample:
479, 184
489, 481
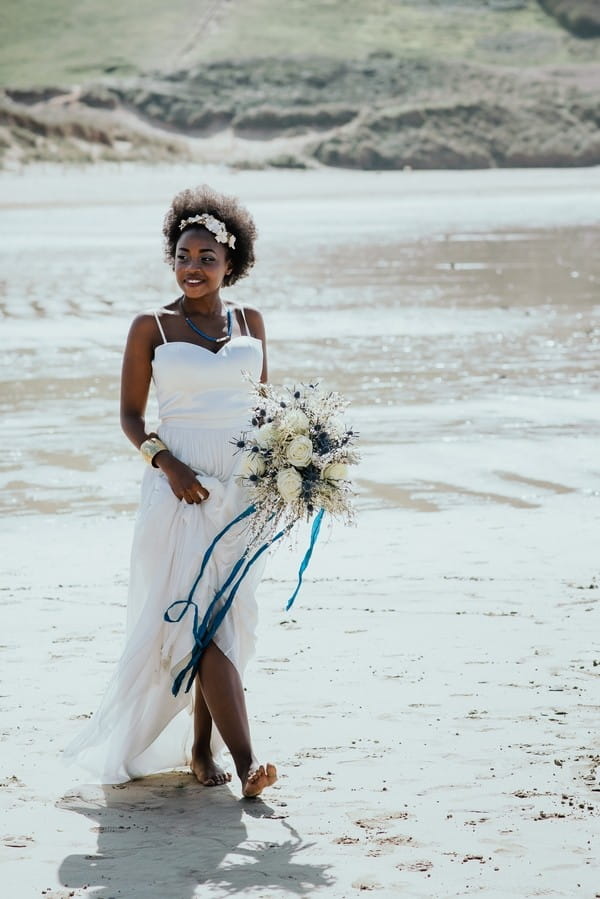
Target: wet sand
432, 699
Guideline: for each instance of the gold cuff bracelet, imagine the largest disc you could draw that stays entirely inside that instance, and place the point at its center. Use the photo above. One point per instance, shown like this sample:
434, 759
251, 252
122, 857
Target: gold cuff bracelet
150, 448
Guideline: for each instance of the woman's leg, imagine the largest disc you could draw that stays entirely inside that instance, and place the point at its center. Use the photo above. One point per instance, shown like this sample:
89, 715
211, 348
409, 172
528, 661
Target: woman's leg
203, 765
225, 703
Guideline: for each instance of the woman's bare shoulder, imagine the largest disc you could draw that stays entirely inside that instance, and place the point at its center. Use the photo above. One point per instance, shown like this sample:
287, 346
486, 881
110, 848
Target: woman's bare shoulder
254, 319
144, 325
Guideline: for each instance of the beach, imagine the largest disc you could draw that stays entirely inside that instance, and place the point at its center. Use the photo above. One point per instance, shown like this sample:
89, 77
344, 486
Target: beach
431, 699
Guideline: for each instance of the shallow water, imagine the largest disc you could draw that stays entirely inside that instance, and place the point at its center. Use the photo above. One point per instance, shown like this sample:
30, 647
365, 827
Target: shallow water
458, 312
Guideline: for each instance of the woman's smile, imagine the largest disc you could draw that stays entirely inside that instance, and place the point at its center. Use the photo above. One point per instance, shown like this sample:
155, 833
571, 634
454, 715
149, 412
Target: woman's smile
201, 263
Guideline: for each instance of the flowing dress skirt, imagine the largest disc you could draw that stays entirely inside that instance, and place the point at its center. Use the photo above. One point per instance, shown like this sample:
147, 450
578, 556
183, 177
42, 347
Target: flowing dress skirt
140, 727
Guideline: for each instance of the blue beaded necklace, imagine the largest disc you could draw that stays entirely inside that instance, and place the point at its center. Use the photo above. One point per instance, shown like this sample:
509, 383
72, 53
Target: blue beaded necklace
189, 322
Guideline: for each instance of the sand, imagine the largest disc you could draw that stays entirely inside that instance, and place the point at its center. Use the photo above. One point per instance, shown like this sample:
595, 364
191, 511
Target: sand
431, 700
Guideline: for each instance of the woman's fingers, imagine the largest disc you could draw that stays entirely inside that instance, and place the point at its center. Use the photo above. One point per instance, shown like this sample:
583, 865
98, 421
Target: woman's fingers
201, 491
186, 486
195, 494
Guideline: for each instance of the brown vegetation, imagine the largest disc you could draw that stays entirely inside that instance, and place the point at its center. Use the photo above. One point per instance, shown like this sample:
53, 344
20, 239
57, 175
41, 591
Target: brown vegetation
378, 113
580, 17
481, 134
66, 131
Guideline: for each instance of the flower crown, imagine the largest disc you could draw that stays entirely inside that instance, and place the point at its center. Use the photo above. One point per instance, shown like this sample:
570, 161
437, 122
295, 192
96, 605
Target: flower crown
212, 224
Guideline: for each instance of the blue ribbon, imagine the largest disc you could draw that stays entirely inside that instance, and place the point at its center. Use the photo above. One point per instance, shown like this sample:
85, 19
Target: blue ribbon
189, 602
205, 630
314, 533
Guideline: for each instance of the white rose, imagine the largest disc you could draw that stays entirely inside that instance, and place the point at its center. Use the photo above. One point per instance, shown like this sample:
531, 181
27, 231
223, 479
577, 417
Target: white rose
266, 436
253, 464
299, 451
289, 484
295, 422
335, 471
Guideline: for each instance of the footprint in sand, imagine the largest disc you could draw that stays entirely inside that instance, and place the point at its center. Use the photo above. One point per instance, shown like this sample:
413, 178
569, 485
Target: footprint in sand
16, 842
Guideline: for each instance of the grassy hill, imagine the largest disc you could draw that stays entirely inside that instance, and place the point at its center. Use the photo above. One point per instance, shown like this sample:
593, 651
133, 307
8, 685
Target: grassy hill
70, 41
379, 84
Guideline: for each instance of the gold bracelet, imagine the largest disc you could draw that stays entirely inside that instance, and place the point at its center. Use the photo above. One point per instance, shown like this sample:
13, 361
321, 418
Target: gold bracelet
150, 448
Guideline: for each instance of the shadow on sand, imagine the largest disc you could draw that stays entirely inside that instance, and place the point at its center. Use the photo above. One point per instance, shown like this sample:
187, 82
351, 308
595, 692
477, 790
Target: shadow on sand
165, 837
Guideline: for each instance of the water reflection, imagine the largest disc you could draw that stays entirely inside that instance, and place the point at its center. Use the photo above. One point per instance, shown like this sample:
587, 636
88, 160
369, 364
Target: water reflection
459, 327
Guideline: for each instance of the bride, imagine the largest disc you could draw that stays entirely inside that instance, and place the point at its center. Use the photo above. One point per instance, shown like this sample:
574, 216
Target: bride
195, 349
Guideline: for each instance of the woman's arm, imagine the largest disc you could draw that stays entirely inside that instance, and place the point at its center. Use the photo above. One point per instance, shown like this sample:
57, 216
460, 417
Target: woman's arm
256, 326
135, 386
136, 374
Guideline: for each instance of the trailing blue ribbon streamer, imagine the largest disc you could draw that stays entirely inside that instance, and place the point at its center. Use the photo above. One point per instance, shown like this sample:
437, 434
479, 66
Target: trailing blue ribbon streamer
304, 565
205, 630
249, 510
187, 603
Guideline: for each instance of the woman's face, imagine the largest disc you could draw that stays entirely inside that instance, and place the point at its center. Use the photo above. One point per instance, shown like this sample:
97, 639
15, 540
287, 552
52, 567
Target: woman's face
201, 263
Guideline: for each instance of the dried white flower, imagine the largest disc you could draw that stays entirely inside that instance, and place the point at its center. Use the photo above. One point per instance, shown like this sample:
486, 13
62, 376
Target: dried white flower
216, 227
335, 426
253, 464
335, 471
294, 422
267, 435
289, 484
299, 451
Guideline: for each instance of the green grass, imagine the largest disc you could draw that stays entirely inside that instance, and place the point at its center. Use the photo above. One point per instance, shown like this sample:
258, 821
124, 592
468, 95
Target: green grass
356, 28
74, 41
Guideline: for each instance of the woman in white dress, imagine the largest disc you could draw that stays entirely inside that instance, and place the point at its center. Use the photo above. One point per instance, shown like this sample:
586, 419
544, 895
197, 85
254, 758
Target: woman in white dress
165, 707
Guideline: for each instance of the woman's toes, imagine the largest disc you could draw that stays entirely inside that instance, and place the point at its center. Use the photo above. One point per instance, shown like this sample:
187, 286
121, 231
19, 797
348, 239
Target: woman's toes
258, 779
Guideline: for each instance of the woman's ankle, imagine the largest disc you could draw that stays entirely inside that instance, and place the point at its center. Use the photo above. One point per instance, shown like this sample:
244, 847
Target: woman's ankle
244, 762
201, 750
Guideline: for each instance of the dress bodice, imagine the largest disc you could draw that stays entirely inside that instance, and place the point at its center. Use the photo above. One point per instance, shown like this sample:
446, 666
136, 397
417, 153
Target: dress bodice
198, 388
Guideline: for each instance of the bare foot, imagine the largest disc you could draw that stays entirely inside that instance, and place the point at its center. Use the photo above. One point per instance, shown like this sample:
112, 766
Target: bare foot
208, 773
257, 779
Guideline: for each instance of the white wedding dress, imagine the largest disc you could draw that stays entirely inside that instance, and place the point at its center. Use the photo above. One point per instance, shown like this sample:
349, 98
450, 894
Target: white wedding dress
204, 405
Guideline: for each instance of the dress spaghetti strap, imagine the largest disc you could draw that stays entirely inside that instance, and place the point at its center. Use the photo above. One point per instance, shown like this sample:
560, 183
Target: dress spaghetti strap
246, 331
160, 328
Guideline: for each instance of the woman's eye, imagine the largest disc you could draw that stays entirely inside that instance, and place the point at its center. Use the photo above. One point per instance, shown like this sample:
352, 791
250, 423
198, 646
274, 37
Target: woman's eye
205, 260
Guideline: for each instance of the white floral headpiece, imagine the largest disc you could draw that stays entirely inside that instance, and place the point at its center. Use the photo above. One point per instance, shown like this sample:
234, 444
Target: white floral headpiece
212, 224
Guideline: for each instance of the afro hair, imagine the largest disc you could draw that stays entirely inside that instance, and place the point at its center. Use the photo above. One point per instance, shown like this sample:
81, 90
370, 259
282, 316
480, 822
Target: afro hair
237, 220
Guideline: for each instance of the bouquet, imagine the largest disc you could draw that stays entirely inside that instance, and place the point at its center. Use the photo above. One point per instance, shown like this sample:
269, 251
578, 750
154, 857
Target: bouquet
295, 466
296, 461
